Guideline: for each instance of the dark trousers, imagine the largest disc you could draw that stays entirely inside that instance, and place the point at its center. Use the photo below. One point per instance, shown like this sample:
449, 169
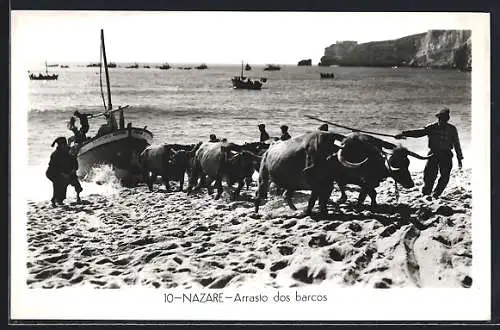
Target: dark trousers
442, 161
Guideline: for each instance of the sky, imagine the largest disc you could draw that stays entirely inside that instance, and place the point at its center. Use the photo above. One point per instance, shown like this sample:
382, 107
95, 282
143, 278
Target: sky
207, 37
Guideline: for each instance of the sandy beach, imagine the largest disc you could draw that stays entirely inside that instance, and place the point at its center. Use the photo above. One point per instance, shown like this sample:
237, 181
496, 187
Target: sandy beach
168, 239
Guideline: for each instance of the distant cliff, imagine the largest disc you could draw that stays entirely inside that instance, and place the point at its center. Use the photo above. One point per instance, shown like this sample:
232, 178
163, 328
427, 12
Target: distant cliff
435, 48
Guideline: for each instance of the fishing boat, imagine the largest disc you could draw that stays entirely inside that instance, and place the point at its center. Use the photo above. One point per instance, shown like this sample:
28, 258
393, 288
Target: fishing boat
42, 76
203, 66
119, 145
133, 66
164, 66
327, 75
242, 82
272, 67
248, 67
111, 65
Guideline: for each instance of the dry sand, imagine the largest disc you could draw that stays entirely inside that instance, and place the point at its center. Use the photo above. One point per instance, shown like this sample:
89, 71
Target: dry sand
165, 240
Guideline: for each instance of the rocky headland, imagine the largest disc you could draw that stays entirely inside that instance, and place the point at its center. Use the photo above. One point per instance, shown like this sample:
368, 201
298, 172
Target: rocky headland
434, 49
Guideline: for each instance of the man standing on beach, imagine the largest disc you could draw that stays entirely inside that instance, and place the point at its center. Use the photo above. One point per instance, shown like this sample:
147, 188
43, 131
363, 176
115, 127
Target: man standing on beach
62, 171
442, 138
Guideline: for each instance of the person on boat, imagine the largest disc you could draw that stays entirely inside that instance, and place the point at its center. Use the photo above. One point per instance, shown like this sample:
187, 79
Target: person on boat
77, 136
84, 122
213, 138
284, 133
62, 171
110, 125
323, 127
442, 137
263, 134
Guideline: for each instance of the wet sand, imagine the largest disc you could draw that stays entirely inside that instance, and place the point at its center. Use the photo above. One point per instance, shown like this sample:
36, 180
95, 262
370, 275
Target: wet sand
168, 239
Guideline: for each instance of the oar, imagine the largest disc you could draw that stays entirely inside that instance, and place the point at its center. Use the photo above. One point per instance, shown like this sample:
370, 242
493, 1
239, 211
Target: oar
349, 128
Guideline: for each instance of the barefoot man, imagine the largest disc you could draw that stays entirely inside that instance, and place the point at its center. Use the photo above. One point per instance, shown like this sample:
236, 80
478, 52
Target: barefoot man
442, 138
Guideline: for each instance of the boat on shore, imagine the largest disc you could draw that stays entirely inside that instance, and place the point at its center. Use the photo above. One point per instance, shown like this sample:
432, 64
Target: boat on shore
242, 82
42, 76
272, 67
115, 144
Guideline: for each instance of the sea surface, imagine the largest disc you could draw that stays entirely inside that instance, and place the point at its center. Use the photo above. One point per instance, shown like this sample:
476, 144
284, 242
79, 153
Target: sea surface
186, 106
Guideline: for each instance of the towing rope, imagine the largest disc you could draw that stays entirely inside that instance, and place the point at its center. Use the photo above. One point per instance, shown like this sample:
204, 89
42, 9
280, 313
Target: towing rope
349, 128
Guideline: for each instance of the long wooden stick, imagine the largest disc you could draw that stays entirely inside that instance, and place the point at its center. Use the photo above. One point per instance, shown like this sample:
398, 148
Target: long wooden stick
349, 128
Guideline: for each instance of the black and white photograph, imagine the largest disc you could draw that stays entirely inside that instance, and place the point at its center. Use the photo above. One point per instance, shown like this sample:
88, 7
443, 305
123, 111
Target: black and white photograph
261, 163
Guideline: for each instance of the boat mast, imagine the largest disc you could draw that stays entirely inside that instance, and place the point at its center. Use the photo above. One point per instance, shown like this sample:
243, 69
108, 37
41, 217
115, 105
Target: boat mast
106, 69
241, 69
46, 68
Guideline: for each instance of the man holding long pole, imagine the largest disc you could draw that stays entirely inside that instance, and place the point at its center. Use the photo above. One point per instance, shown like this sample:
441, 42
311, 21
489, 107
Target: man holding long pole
443, 137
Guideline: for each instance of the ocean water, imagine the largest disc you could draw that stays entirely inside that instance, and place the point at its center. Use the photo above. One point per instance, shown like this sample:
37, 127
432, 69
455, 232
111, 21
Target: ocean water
186, 106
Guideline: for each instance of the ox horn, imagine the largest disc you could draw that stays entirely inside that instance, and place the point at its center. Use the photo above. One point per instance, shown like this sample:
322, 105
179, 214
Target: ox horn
391, 168
347, 163
413, 154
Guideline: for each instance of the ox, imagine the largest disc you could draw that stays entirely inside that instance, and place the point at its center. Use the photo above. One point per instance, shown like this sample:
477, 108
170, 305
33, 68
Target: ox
171, 161
299, 163
313, 162
362, 160
218, 161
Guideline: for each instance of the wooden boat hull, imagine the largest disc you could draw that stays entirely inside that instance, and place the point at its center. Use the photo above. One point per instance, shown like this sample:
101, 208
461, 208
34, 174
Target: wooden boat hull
116, 149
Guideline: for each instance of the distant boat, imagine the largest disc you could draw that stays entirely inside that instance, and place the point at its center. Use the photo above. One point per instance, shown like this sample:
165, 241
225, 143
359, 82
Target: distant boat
53, 65
93, 65
42, 76
133, 66
203, 66
164, 66
248, 67
327, 75
242, 82
147, 67
272, 67
114, 146
64, 66
112, 65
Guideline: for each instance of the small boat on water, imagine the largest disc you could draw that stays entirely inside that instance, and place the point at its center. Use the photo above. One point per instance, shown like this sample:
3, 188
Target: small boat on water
272, 67
93, 65
118, 145
42, 76
164, 66
327, 75
242, 82
203, 66
64, 66
133, 66
111, 65
248, 67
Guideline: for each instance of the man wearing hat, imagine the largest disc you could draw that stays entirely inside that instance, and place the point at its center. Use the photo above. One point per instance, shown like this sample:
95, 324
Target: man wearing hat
284, 133
263, 134
442, 138
62, 171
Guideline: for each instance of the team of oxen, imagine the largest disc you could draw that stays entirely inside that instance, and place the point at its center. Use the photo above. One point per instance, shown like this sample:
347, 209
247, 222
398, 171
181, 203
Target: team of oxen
314, 161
